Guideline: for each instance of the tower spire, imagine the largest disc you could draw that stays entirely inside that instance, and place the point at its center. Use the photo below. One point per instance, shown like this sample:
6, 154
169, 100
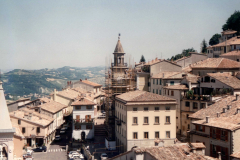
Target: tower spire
119, 36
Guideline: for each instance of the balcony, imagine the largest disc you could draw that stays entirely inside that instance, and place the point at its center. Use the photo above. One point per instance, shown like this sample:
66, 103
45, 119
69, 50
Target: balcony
199, 133
83, 120
119, 65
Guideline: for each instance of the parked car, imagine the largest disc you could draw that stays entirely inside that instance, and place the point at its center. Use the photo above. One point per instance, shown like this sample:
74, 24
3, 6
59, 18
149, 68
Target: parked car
40, 149
104, 156
57, 137
62, 131
80, 157
71, 153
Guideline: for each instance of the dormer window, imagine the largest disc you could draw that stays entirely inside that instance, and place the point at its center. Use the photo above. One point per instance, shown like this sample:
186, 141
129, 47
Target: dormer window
213, 80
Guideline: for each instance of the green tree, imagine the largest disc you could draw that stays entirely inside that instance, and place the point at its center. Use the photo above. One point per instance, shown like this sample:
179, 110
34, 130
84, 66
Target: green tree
215, 39
233, 22
142, 59
204, 46
185, 53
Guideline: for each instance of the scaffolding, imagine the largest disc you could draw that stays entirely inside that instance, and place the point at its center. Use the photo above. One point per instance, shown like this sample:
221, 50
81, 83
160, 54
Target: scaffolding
119, 78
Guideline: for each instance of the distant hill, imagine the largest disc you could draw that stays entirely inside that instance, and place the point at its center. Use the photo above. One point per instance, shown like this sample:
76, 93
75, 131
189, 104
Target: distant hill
27, 83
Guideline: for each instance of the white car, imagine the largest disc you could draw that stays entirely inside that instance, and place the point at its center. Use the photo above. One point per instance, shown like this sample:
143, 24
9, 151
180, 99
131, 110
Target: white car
104, 156
72, 153
78, 157
57, 137
29, 152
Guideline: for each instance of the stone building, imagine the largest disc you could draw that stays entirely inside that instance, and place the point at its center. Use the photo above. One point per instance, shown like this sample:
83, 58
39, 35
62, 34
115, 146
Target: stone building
142, 117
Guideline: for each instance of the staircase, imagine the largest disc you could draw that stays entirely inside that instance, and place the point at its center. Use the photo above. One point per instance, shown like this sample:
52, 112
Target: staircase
99, 130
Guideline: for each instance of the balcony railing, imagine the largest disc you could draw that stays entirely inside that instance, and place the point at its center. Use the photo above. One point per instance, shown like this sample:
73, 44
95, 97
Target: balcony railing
83, 120
120, 65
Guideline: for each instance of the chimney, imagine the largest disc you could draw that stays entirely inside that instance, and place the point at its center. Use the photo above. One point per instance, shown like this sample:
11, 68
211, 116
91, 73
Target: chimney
237, 97
229, 107
54, 95
224, 110
238, 110
233, 73
218, 114
219, 156
207, 119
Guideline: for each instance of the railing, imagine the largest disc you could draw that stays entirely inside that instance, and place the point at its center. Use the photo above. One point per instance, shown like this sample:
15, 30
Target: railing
119, 64
83, 120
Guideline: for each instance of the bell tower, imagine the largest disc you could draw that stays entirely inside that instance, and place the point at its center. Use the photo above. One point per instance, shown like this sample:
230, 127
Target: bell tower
119, 54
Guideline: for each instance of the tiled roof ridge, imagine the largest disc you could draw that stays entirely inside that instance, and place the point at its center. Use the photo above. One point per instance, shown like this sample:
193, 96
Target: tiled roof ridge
220, 62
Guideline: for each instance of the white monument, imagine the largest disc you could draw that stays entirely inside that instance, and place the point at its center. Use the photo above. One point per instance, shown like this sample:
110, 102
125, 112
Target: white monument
6, 129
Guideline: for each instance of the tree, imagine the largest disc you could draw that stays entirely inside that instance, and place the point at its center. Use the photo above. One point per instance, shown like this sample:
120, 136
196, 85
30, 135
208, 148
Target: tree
204, 46
185, 53
215, 39
142, 59
233, 22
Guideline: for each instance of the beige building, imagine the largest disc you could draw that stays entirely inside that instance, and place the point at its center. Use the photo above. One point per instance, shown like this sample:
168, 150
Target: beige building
35, 127
178, 151
18, 140
193, 58
142, 118
6, 129
217, 126
86, 85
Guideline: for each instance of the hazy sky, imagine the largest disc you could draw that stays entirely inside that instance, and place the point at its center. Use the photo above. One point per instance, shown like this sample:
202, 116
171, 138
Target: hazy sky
38, 34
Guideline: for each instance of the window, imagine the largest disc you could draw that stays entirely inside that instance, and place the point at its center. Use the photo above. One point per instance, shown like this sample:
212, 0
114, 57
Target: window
156, 91
153, 81
160, 92
160, 81
89, 107
145, 120
172, 93
156, 120
207, 79
77, 127
87, 118
134, 109
187, 104
157, 81
77, 107
89, 127
19, 121
237, 60
23, 129
156, 134
38, 129
135, 136
156, 108
134, 120
171, 83
195, 105
145, 108
168, 92
187, 116
167, 108
153, 90
167, 134
213, 80
167, 119
78, 118
146, 135
188, 126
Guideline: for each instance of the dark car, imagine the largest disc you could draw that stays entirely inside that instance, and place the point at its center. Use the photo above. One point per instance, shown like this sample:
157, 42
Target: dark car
40, 149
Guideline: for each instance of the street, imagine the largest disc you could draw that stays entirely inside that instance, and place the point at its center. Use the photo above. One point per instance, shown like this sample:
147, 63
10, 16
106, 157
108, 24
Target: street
57, 149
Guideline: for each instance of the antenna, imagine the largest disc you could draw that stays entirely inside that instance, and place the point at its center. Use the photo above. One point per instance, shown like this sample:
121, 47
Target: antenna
119, 36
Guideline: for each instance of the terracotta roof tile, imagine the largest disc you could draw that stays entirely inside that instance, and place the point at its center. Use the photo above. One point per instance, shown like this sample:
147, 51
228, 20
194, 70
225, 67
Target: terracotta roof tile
143, 96
177, 87
82, 101
51, 106
69, 93
91, 83
198, 145
232, 41
236, 154
229, 31
216, 63
227, 79
232, 53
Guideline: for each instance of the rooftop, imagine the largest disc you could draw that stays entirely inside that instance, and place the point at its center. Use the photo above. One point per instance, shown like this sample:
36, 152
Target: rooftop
144, 97
193, 79
177, 87
82, 101
51, 106
232, 53
91, 83
227, 79
119, 48
69, 93
216, 63
236, 154
36, 117
217, 107
229, 31
231, 41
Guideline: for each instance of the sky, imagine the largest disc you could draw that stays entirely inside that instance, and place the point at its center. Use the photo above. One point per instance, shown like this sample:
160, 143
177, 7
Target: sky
83, 33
